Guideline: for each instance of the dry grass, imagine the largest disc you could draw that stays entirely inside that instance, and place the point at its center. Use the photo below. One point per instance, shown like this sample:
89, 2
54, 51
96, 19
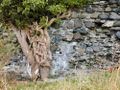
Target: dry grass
98, 81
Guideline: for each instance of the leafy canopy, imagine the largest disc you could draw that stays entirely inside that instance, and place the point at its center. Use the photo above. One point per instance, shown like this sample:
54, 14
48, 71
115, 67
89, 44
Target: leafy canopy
24, 12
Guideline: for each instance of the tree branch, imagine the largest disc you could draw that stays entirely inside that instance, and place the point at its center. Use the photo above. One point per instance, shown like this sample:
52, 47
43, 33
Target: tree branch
64, 15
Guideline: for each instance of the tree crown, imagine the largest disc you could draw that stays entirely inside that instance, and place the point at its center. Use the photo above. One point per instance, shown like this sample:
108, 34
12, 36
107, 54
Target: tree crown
24, 12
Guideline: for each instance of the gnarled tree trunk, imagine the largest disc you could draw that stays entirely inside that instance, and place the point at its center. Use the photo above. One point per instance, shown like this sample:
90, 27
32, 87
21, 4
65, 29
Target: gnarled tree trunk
36, 47
37, 50
42, 53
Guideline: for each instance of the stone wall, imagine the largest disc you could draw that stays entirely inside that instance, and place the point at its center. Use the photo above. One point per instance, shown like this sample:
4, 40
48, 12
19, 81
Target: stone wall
89, 39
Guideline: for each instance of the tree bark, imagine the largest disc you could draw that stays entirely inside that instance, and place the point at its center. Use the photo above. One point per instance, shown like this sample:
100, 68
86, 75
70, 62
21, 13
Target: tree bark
37, 52
42, 53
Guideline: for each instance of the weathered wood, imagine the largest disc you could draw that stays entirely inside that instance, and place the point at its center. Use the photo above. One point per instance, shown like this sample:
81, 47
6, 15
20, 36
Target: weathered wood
37, 51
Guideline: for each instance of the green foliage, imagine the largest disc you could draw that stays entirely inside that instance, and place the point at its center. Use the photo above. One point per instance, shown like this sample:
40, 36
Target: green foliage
24, 12
43, 21
56, 9
73, 3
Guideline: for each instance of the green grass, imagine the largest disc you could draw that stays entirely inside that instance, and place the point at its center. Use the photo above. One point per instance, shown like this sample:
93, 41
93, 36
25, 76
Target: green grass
97, 81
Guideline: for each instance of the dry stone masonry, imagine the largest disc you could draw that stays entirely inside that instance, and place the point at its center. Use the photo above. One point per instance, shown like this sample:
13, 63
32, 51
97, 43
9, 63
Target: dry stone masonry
89, 39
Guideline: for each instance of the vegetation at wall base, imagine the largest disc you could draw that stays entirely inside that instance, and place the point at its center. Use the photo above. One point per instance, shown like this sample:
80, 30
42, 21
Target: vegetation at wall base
103, 80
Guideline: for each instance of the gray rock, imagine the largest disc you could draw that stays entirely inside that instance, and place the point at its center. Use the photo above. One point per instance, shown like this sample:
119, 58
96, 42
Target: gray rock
98, 2
83, 67
114, 16
77, 23
116, 24
61, 58
54, 47
83, 45
99, 22
81, 30
108, 45
74, 14
19, 66
99, 8
103, 16
108, 9
68, 24
89, 50
115, 28
85, 57
81, 50
108, 24
92, 34
94, 15
89, 9
116, 10
85, 15
77, 37
96, 48
56, 39
88, 43
107, 32
95, 44
118, 1
103, 36
93, 40
68, 36
112, 1
89, 24
118, 34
